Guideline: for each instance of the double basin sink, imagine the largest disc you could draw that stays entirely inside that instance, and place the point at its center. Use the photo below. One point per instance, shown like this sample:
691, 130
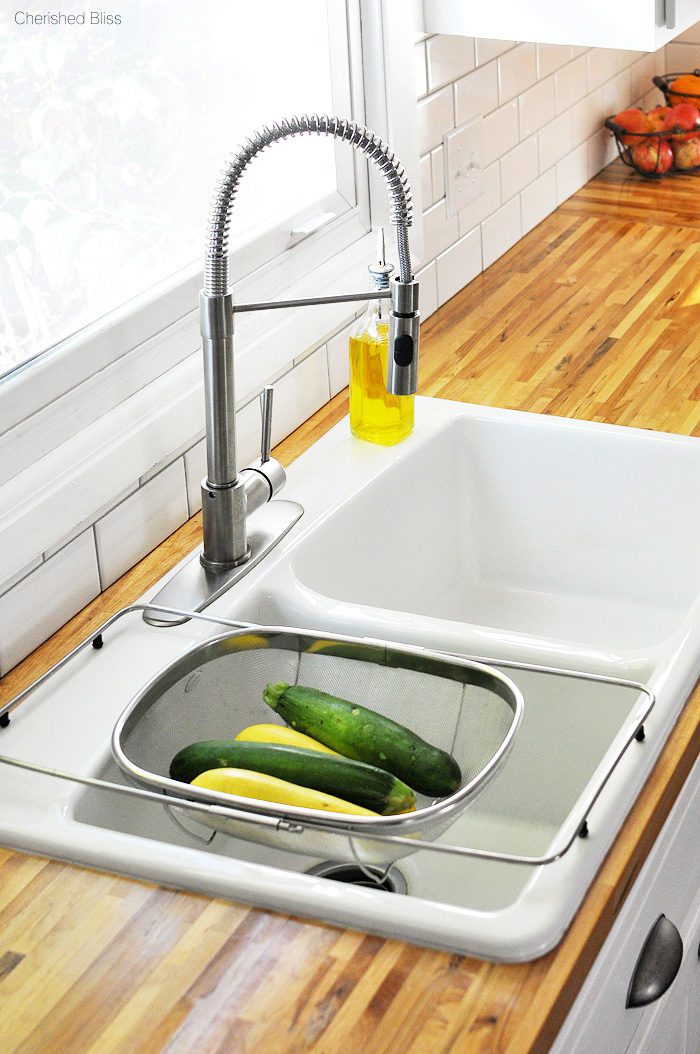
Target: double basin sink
536, 543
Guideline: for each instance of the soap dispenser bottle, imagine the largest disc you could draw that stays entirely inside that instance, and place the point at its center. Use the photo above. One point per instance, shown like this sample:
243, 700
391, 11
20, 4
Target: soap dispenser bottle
375, 414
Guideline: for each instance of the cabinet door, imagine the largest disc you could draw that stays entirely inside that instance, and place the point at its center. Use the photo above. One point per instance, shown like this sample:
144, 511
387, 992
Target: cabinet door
639, 25
600, 1022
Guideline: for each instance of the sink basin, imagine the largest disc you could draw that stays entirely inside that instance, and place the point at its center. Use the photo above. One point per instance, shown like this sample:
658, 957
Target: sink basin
527, 541
525, 526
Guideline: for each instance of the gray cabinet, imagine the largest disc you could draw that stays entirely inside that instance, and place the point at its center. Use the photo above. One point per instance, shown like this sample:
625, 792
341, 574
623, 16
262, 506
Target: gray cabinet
668, 885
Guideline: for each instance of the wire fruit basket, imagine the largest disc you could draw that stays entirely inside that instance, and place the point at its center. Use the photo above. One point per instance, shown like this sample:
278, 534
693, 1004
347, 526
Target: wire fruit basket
664, 82
216, 689
648, 153
671, 142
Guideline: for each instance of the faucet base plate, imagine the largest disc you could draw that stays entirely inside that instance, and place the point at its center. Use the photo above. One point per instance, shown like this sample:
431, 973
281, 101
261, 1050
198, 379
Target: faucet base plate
194, 587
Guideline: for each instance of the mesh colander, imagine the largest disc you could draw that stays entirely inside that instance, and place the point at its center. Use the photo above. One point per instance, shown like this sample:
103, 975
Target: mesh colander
216, 689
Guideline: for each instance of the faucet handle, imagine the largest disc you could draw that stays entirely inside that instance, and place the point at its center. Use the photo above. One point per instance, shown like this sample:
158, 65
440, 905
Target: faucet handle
266, 408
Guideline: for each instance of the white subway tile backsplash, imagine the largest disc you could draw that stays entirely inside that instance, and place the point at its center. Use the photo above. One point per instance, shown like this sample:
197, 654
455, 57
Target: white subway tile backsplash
690, 36
554, 140
437, 161
195, 471
572, 172
601, 151
41, 603
538, 200
439, 230
339, 359
642, 72
486, 50
249, 428
519, 167
458, 265
83, 526
136, 526
477, 93
587, 117
501, 231
537, 107
248, 435
682, 58
625, 59
421, 72
487, 202
570, 84
428, 290
602, 65
449, 58
617, 93
299, 394
22, 573
426, 181
436, 116
500, 131
517, 71
551, 57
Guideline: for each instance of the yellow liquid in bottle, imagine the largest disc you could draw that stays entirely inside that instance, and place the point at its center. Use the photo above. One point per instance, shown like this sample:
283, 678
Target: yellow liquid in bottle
375, 415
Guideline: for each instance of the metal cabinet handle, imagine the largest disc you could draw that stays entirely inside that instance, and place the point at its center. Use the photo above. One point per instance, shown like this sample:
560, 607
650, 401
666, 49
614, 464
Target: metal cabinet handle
666, 13
658, 964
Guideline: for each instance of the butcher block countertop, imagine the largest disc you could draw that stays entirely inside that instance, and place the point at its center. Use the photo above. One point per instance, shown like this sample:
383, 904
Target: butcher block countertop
594, 315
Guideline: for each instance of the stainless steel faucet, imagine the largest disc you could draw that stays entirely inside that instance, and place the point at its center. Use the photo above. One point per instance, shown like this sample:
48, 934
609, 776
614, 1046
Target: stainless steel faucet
232, 544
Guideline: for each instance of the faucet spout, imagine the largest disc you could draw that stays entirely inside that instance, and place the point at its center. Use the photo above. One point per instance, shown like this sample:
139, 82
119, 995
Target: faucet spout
357, 136
225, 542
230, 496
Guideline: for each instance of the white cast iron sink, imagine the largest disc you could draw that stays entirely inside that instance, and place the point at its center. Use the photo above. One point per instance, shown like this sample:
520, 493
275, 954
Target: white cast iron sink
531, 528
488, 533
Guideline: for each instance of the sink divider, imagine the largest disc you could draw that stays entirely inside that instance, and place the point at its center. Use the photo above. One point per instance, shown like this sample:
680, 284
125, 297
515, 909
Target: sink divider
574, 826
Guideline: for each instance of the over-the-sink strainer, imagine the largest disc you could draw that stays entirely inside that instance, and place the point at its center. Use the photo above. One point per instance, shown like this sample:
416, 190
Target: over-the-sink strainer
216, 689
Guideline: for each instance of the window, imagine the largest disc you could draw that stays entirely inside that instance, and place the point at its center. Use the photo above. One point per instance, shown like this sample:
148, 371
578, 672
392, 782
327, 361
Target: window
117, 132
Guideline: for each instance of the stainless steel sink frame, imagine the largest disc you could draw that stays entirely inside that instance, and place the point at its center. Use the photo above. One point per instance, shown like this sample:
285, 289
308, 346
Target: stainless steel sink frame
575, 825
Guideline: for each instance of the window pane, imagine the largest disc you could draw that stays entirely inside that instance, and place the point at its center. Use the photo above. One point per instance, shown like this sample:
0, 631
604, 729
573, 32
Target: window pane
112, 137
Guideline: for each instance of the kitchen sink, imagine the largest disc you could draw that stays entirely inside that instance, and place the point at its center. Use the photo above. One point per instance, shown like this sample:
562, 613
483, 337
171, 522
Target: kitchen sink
548, 546
534, 532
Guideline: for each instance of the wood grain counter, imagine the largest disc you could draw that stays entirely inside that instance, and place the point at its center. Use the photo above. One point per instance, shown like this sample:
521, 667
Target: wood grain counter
596, 315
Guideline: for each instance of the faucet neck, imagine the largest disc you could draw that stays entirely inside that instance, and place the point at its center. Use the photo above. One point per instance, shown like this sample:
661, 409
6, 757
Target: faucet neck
216, 279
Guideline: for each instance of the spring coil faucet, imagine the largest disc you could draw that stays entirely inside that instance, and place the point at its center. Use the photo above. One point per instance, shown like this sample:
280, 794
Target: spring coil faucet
229, 496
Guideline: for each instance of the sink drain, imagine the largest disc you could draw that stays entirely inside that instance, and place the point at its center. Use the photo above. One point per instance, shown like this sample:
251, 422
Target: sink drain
394, 882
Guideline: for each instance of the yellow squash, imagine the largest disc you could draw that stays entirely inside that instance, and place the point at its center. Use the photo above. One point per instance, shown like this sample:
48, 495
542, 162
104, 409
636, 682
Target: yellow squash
286, 737
250, 784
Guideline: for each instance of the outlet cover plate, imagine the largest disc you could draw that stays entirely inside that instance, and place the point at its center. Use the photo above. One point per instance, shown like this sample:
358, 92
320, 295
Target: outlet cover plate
464, 164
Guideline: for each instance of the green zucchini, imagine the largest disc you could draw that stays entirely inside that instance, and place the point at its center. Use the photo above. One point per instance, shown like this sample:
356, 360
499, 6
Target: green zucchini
364, 735
365, 785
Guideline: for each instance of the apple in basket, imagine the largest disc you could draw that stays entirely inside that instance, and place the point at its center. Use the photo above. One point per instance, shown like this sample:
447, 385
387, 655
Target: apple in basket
682, 121
686, 154
632, 121
652, 156
657, 118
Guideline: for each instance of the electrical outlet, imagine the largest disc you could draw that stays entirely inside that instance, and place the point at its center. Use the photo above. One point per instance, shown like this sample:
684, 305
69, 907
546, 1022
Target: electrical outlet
464, 162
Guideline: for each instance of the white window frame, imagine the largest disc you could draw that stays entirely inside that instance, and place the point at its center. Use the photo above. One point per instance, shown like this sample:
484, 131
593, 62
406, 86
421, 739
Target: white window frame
137, 373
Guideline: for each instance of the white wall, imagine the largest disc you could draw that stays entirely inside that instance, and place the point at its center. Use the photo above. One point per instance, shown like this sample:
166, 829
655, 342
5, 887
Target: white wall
543, 107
